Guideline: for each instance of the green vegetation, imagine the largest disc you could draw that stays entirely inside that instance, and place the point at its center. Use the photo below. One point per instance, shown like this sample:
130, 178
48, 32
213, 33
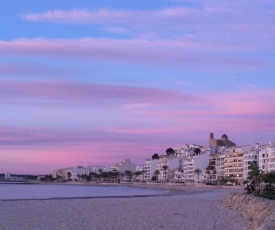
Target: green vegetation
170, 151
157, 172
198, 173
197, 151
165, 168
260, 183
155, 156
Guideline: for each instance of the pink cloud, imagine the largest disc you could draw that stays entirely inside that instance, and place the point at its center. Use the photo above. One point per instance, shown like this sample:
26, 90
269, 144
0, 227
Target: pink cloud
245, 111
41, 150
87, 93
186, 54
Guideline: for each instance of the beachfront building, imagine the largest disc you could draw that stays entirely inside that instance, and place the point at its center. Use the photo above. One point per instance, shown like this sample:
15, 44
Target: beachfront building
233, 164
188, 169
167, 165
267, 157
149, 168
96, 169
125, 165
194, 166
77, 171
7, 175
163, 174
219, 171
59, 173
250, 156
188, 150
215, 169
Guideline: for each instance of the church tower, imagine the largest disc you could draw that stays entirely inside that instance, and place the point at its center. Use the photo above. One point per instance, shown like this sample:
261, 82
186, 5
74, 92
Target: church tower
211, 138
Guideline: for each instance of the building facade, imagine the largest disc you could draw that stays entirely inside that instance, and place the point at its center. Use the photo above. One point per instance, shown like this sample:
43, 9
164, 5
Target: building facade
267, 157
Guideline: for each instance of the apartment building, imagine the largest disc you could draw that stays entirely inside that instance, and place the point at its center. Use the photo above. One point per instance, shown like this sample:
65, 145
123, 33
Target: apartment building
150, 166
250, 156
193, 162
125, 165
267, 157
96, 169
233, 164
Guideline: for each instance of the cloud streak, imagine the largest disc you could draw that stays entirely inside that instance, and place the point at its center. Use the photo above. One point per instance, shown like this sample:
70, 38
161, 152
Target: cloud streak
217, 21
176, 53
86, 93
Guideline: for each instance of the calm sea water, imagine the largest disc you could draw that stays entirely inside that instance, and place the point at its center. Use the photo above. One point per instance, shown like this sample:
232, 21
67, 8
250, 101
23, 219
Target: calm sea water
45, 191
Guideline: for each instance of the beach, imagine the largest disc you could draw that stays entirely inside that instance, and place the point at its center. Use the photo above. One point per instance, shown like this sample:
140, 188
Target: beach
185, 208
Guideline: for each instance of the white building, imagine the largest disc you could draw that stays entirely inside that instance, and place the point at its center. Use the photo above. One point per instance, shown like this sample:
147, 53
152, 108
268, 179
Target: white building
250, 156
96, 169
172, 162
63, 173
267, 157
7, 175
77, 171
195, 162
150, 166
125, 165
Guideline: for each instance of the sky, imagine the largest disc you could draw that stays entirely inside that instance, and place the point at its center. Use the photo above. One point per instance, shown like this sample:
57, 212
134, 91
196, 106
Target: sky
95, 82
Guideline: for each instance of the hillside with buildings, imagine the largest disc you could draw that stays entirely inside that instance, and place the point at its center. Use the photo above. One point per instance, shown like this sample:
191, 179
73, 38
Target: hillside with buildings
220, 162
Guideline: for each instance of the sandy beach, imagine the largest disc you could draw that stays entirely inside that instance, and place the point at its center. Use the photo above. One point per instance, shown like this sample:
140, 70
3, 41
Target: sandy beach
185, 208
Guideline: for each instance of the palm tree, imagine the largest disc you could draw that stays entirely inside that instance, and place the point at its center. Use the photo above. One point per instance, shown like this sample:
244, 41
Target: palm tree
100, 172
165, 169
198, 172
256, 178
129, 174
93, 175
138, 173
157, 172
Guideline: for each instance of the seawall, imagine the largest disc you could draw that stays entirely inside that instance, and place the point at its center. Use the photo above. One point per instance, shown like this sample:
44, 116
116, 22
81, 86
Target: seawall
260, 211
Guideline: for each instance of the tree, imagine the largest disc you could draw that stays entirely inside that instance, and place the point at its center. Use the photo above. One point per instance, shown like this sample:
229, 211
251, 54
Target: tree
270, 178
100, 174
138, 173
114, 174
170, 151
157, 172
84, 177
93, 175
197, 151
129, 174
165, 169
256, 178
269, 190
155, 156
69, 175
198, 172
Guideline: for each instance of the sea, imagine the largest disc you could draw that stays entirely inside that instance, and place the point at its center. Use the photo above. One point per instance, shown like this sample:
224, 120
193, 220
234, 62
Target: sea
58, 191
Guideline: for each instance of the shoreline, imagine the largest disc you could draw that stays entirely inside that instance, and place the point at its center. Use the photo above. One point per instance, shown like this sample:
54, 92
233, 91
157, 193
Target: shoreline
173, 189
187, 207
